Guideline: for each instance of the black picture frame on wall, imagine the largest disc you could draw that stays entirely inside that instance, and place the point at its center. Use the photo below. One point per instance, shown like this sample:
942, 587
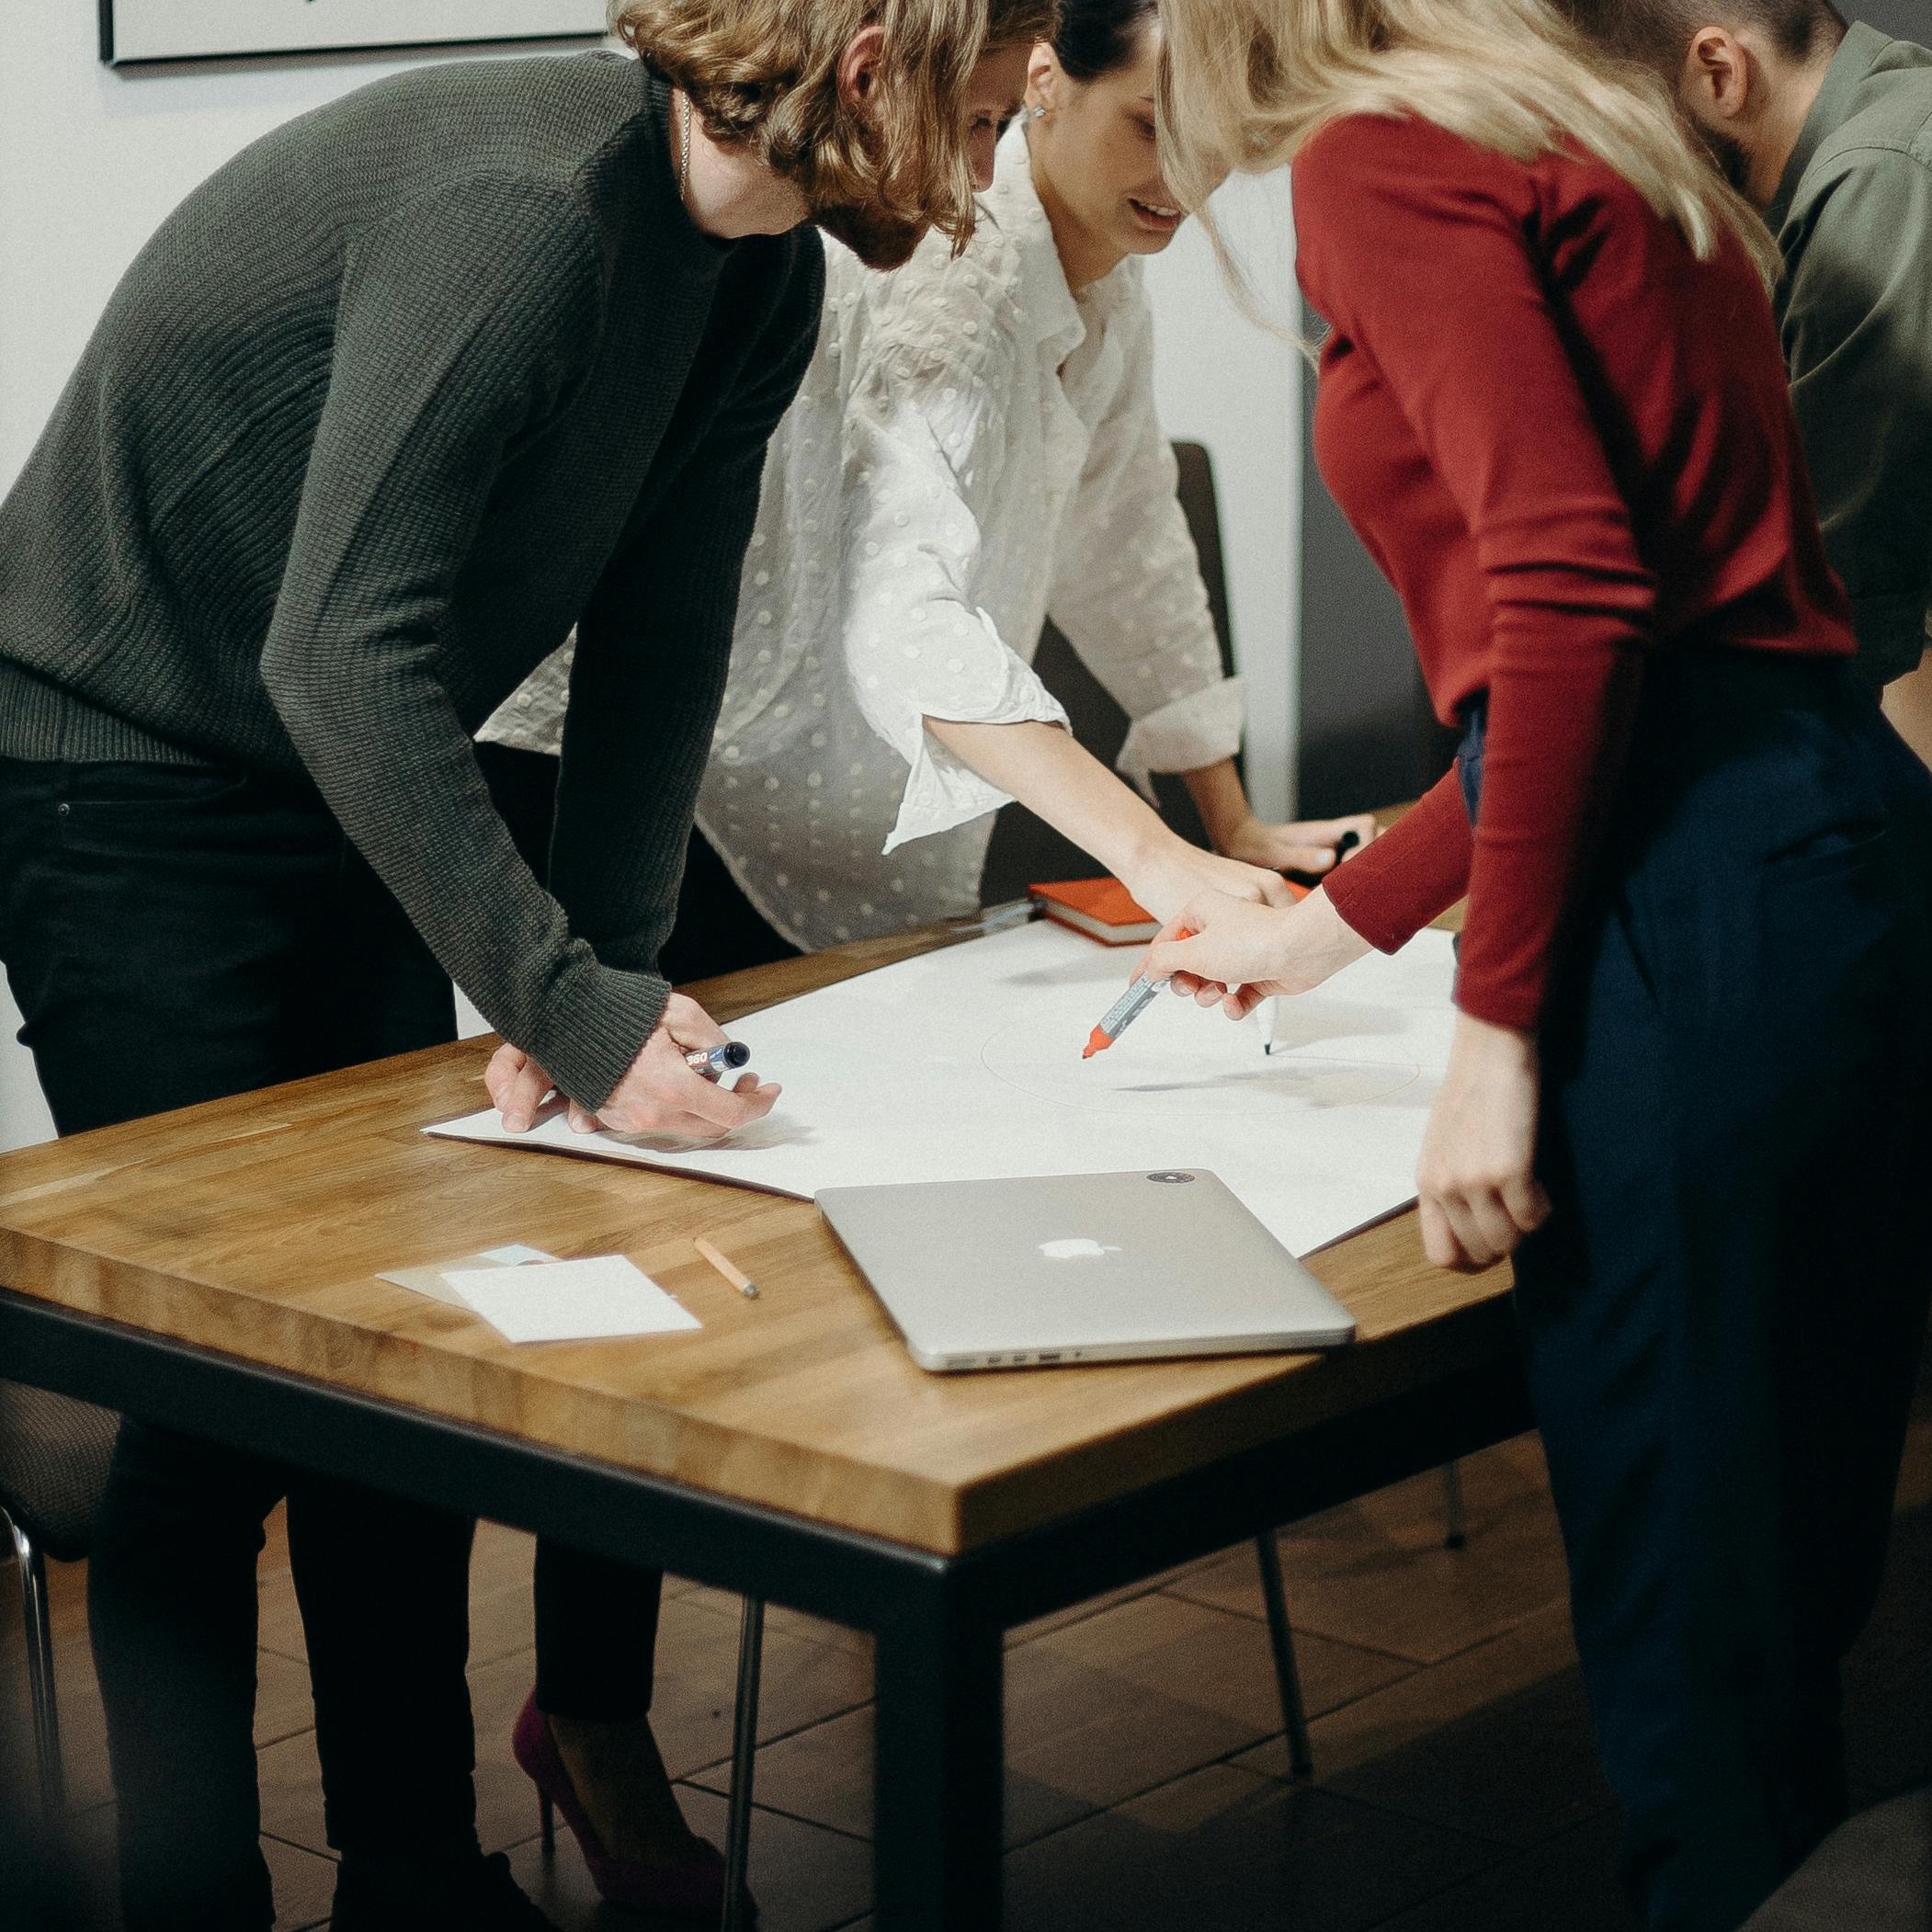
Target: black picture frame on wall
144, 32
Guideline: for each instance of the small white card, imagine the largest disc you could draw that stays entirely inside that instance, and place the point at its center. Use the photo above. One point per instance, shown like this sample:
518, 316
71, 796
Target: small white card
429, 1281
570, 1300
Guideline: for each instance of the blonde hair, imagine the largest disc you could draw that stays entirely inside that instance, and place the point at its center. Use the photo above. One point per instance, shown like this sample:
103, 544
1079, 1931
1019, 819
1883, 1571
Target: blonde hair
763, 76
1246, 82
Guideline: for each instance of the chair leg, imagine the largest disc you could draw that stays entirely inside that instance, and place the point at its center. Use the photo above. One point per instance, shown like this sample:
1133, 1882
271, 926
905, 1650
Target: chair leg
745, 1749
1455, 1529
38, 1628
1288, 1674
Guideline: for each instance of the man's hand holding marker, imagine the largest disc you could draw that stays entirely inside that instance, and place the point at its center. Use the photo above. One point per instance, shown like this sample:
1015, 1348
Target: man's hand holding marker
663, 1093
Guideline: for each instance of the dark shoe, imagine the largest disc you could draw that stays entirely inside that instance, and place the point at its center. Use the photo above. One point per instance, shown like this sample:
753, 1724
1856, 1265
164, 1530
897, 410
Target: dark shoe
477, 1896
692, 1889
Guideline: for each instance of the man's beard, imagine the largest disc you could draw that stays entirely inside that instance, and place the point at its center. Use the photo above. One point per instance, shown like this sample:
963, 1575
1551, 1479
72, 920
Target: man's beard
1732, 162
880, 240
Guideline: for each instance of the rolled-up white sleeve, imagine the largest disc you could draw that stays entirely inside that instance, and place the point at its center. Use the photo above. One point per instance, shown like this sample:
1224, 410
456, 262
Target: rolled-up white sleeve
921, 456
1127, 585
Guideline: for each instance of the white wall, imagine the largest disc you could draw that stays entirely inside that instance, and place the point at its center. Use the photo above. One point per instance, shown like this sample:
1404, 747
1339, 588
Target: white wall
1223, 381
91, 159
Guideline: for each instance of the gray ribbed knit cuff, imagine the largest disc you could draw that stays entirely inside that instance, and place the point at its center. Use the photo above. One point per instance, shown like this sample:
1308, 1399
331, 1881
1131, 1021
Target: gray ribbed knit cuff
595, 1027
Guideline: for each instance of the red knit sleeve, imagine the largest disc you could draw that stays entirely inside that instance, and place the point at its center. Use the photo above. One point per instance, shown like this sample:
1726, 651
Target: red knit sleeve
1413, 873
1419, 248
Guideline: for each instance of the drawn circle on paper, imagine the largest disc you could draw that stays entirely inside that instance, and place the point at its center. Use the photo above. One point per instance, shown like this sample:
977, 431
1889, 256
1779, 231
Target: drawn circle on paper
1168, 1067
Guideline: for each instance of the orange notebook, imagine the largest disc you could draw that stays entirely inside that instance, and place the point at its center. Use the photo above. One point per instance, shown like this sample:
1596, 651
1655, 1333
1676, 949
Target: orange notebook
1101, 908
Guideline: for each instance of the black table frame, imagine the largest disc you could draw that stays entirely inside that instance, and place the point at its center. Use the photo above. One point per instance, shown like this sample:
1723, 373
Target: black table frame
938, 1620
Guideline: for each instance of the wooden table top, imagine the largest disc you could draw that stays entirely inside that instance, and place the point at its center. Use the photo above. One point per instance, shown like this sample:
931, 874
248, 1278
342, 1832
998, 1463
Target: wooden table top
257, 1226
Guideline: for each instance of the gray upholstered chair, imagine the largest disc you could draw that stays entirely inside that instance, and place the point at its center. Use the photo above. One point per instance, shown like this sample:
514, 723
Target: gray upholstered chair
1873, 1874
54, 1465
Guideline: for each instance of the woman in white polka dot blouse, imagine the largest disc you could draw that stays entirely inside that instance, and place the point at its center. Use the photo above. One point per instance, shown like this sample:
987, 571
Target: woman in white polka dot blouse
974, 448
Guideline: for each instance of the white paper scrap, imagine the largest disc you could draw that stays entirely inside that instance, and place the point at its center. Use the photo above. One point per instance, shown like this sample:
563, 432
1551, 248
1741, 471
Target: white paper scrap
570, 1300
429, 1281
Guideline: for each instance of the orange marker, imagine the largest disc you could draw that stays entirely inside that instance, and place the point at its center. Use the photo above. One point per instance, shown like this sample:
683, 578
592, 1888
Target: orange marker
1127, 1009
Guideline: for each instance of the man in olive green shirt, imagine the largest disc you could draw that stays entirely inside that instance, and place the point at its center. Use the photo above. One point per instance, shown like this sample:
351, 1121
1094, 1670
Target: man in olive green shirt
1828, 129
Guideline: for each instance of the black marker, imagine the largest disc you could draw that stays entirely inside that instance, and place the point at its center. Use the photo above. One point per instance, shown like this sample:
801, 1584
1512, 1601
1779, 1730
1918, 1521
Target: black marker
715, 1063
1343, 847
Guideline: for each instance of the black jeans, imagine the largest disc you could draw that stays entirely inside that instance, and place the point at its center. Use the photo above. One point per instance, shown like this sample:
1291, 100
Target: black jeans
596, 1620
174, 935
1723, 1314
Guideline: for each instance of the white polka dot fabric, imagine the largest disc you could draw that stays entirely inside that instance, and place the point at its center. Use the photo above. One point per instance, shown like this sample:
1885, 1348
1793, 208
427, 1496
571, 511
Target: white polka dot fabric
973, 449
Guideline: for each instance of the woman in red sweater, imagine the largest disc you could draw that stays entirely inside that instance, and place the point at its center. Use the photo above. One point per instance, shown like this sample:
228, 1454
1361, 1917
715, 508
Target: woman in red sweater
1692, 1069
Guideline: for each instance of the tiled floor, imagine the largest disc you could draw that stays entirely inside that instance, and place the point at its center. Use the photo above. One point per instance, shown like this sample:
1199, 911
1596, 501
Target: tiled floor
1456, 1789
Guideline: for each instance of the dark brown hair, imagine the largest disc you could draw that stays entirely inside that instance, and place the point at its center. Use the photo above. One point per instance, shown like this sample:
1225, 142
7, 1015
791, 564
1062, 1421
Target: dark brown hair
1096, 36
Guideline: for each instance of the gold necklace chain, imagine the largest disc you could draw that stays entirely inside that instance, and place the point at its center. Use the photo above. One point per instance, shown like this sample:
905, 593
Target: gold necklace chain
684, 159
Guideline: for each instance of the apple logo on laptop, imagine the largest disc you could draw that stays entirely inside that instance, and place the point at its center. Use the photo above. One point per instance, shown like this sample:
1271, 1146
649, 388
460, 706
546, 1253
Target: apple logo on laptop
1077, 1247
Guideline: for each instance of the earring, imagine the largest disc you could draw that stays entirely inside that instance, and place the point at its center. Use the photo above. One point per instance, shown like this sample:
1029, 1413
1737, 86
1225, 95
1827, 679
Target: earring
1032, 111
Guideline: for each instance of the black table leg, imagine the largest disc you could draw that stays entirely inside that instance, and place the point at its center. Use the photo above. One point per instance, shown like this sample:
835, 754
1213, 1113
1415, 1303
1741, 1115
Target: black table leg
939, 1794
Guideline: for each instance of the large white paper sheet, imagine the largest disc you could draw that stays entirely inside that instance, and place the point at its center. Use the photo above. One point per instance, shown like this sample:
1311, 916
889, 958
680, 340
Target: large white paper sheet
965, 1064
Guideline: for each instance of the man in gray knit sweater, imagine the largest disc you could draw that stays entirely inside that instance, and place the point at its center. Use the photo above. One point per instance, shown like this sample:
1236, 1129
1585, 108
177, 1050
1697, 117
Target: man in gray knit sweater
399, 395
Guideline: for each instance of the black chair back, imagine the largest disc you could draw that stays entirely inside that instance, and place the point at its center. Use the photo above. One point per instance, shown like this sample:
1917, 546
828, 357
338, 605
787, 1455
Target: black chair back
1026, 850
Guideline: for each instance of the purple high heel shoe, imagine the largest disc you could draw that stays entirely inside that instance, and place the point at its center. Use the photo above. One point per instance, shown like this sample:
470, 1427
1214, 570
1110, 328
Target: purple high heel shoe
691, 1890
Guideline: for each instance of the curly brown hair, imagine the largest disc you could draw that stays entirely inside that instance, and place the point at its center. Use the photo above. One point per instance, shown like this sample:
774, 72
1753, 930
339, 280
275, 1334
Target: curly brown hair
763, 74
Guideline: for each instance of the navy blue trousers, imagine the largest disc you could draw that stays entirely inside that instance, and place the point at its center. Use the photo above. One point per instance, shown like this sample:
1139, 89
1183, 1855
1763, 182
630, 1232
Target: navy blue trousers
1723, 1314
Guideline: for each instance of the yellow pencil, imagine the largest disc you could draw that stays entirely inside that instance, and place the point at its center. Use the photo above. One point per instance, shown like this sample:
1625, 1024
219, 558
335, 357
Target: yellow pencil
728, 1269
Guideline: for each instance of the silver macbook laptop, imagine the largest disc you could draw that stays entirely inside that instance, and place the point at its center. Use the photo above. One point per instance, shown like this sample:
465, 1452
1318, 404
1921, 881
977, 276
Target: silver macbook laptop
1080, 1268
